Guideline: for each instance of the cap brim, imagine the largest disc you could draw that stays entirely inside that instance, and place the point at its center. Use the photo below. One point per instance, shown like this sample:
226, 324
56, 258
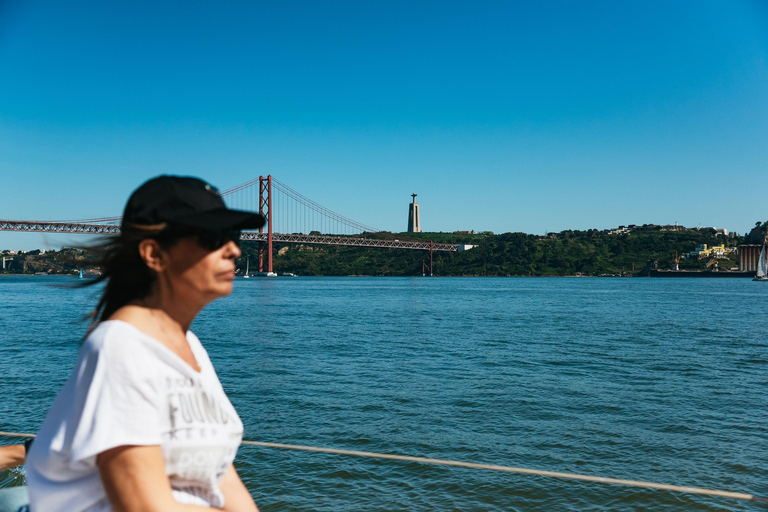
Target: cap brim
222, 219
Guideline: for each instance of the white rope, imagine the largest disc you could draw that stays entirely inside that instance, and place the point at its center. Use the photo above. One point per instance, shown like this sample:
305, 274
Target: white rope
508, 469
494, 467
16, 434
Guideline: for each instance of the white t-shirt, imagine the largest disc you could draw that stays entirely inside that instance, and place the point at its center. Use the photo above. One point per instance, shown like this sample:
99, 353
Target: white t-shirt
129, 389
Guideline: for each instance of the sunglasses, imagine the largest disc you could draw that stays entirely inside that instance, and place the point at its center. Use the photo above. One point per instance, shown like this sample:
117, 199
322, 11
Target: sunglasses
212, 240
208, 239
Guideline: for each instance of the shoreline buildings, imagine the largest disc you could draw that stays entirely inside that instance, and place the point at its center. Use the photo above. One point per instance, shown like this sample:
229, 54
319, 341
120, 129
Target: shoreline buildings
749, 256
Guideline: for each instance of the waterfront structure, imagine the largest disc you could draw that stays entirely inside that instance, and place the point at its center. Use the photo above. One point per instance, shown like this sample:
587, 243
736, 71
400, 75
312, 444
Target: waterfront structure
749, 256
717, 251
414, 217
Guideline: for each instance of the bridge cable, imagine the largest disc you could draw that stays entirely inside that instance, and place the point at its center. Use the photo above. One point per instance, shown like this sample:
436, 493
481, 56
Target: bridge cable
493, 467
322, 210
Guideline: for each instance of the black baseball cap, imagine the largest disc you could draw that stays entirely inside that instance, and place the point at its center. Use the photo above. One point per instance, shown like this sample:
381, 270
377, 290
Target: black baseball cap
184, 201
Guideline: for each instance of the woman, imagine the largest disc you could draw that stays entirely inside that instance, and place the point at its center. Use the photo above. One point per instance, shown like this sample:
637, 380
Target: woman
143, 423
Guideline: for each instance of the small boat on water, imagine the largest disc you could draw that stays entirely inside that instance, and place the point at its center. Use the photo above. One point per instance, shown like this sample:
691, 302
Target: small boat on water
762, 274
288, 274
265, 274
247, 268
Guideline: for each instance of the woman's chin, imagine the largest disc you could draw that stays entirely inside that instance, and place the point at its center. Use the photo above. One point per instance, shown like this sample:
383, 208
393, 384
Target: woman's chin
222, 289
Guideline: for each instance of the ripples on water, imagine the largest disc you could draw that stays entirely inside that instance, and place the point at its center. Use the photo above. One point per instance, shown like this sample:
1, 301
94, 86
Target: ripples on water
659, 380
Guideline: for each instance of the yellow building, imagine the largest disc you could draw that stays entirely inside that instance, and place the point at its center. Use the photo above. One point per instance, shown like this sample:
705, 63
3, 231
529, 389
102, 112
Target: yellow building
717, 251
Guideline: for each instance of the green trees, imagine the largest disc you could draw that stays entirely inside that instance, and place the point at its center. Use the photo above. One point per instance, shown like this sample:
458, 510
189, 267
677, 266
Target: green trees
570, 252
758, 234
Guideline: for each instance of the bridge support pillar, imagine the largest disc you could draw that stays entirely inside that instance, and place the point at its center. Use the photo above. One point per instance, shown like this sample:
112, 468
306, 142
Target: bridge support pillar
424, 263
265, 209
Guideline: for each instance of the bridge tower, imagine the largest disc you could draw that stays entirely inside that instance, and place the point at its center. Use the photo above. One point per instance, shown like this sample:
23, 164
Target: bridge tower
414, 218
265, 209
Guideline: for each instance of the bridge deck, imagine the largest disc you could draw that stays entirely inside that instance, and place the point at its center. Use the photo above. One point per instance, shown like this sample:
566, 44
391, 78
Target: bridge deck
298, 238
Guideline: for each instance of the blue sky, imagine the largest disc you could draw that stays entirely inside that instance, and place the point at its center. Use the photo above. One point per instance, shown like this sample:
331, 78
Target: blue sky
502, 116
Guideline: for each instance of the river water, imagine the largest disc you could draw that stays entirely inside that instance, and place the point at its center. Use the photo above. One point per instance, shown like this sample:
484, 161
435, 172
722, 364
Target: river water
663, 380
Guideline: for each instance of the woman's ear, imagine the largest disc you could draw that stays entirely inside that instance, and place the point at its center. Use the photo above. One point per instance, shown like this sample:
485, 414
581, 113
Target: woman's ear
152, 254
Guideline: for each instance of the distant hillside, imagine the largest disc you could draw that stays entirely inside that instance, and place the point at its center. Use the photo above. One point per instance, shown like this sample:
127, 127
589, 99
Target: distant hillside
758, 234
65, 261
589, 252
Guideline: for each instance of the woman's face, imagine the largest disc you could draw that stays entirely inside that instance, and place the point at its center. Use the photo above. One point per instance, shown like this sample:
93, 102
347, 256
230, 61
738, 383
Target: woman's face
199, 273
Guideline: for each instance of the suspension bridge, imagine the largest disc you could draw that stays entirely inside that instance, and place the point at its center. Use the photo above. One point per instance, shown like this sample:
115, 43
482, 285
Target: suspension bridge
291, 218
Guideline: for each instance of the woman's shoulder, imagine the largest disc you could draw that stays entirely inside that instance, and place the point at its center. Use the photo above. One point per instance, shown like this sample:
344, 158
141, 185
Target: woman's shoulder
108, 329
115, 337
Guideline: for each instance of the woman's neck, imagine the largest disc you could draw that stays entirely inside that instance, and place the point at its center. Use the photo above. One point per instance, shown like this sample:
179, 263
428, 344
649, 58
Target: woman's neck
174, 313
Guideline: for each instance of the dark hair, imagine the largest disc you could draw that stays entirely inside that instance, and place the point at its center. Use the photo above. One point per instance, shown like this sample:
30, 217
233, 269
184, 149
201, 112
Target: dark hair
127, 276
